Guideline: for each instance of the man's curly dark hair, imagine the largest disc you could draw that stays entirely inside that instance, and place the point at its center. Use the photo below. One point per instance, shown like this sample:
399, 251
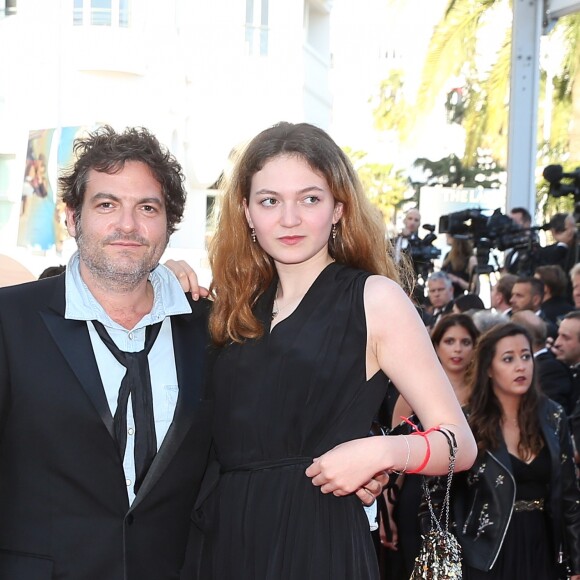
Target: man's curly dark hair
107, 151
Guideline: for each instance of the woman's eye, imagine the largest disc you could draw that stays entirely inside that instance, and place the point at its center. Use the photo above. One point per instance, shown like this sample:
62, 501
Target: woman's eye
507, 359
311, 199
466, 342
269, 202
526, 356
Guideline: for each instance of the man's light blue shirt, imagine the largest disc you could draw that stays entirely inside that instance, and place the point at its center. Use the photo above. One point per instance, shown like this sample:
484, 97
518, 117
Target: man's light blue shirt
169, 300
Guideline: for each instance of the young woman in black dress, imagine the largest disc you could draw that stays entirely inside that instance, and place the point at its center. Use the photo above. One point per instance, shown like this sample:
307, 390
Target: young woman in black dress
310, 320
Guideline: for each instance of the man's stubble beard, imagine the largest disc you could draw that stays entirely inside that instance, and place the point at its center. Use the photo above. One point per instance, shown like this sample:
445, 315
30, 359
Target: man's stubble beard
121, 274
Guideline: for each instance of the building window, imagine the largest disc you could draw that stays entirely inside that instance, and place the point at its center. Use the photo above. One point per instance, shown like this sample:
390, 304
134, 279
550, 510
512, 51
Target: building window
7, 8
257, 27
115, 13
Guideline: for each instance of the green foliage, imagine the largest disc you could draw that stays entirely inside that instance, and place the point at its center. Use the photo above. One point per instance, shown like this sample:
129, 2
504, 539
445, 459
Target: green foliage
391, 111
450, 171
384, 185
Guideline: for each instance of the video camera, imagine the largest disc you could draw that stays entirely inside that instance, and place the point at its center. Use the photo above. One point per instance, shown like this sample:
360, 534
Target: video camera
488, 232
554, 175
423, 250
495, 231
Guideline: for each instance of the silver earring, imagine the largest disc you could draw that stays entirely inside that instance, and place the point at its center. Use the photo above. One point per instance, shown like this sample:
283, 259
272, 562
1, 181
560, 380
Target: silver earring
334, 231
253, 234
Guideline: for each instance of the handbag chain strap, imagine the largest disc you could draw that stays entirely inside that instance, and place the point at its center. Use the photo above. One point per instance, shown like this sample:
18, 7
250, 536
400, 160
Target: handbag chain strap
436, 522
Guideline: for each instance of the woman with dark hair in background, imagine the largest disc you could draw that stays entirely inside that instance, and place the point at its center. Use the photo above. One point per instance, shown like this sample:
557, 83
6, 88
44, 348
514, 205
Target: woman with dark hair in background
454, 339
467, 303
460, 265
518, 507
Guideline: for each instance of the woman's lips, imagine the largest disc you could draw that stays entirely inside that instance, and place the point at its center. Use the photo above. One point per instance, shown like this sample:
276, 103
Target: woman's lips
291, 240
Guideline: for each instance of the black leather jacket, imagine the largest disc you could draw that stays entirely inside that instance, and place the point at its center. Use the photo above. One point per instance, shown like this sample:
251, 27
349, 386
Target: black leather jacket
482, 498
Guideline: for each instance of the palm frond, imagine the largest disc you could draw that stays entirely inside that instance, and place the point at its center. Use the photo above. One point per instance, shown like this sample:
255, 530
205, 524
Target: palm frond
452, 44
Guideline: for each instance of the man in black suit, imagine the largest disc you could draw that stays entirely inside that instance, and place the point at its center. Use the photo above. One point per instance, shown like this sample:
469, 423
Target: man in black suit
102, 449
553, 375
527, 294
440, 291
575, 284
501, 294
555, 303
563, 251
515, 260
567, 349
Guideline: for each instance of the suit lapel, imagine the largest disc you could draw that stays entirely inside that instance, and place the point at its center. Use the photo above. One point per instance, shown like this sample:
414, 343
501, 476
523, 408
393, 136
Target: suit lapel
190, 345
72, 339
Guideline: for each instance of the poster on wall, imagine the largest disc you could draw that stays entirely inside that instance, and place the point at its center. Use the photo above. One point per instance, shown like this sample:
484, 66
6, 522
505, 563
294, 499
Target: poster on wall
37, 226
42, 219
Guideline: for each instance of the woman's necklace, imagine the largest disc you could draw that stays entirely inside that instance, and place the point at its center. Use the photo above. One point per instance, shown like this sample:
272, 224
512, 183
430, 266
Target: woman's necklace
512, 421
275, 308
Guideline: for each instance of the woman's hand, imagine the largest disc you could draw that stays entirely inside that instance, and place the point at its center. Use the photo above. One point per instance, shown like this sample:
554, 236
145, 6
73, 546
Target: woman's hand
187, 278
369, 492
348, 467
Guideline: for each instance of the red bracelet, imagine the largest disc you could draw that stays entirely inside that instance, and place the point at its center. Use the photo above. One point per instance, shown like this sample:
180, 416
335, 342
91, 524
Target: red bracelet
427, 454
423, 434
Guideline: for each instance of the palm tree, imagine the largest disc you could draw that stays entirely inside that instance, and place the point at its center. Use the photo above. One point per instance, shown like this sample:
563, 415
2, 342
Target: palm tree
454, 51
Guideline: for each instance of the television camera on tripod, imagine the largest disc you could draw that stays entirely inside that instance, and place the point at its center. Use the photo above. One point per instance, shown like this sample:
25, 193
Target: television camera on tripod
566, 183
495, 231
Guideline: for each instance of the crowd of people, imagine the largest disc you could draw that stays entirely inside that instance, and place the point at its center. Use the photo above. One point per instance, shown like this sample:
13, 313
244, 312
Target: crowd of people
164, 435
514, 369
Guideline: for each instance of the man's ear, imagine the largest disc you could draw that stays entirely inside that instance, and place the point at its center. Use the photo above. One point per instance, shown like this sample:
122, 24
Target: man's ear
70, 221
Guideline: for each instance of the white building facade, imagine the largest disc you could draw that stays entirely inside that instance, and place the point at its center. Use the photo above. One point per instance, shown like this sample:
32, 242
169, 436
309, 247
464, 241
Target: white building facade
203, 76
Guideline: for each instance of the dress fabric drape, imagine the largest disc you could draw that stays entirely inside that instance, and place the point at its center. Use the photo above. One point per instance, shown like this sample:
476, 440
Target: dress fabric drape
280, 401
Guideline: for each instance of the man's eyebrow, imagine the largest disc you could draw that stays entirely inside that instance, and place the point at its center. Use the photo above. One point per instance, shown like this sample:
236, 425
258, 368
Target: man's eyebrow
103, 195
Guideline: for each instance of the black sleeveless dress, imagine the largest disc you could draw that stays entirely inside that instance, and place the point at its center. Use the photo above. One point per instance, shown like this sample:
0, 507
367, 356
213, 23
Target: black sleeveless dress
281, 401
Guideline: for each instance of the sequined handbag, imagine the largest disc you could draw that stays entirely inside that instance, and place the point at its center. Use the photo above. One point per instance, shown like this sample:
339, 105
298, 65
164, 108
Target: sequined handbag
440, 554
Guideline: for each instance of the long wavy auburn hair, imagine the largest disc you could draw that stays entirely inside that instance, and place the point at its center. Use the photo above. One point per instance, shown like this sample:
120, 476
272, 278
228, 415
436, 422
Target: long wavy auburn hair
485, 411
242, 270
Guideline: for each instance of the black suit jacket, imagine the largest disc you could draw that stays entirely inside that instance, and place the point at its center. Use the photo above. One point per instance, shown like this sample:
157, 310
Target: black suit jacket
551, 328
64, 511
555, 379
554, 254
555, 308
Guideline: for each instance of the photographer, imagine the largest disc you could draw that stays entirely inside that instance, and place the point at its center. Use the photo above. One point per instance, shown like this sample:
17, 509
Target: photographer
420, 251
563, 226
563, 252
513, 257
409, 234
